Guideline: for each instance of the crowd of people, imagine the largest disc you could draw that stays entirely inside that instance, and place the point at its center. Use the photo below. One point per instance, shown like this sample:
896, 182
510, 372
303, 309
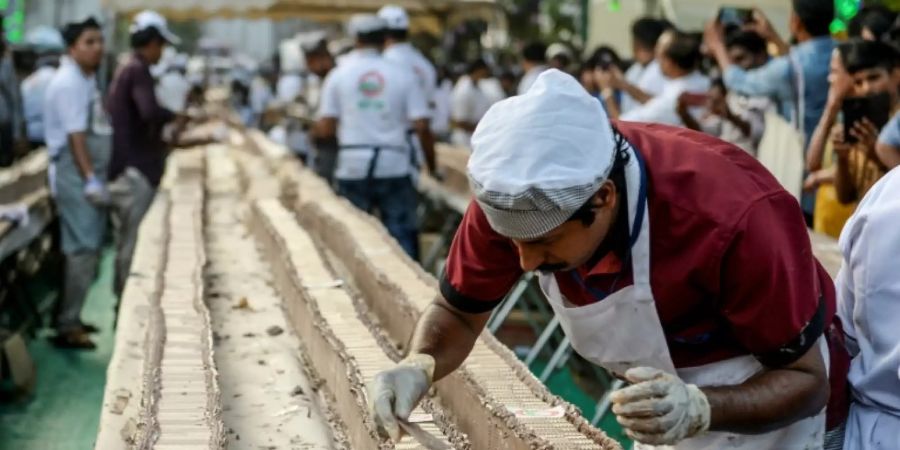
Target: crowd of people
821, 113
106, 151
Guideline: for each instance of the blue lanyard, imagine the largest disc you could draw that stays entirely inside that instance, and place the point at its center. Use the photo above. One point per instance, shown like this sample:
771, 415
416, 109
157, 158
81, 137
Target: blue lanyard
633, 237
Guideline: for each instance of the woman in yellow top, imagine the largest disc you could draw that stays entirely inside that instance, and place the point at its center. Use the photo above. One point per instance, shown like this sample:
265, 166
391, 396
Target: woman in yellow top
858, 68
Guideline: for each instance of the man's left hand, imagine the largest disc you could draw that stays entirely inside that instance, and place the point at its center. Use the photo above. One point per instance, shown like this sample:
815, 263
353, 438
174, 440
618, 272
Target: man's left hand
659, 408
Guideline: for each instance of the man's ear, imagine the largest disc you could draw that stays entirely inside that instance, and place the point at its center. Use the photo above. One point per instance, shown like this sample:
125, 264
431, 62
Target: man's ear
606, 195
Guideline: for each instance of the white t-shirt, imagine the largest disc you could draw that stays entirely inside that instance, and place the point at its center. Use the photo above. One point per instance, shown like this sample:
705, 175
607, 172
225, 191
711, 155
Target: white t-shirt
440, 121
290, 85
647, 78
404, 53
492, 89
470, 104
374, 101
33, 89
529, 78
66, 105
172, 91
661, 108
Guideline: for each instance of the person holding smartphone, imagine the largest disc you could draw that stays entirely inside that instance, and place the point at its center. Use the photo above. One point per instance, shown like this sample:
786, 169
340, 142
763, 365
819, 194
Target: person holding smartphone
804, 63
731, 116
863, 70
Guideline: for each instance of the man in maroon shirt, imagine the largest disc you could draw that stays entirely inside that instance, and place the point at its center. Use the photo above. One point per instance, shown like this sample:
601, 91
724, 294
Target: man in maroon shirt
673, 259
139, 153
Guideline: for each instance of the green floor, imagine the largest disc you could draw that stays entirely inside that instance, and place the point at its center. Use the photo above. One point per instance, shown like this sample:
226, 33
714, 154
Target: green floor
64, 412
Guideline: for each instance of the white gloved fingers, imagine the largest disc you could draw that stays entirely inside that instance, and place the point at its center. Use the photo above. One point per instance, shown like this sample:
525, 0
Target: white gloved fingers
642, 408
649, 425
641, 391
382, 408
660, 424
640, 374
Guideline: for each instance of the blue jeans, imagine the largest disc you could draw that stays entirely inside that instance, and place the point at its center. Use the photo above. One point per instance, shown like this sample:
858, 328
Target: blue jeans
396, 201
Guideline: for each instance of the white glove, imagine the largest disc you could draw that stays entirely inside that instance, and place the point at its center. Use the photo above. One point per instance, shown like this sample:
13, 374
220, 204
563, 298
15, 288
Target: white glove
96, 192
659, 408
394, 393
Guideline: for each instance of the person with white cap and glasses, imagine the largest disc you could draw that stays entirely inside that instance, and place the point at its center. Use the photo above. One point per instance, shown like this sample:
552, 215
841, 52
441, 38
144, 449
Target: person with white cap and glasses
77, 137
367, 104
672, 259
48, 45
398, 49
138, 153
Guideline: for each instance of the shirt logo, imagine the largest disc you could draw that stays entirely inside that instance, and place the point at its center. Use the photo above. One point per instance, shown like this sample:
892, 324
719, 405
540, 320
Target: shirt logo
371, 85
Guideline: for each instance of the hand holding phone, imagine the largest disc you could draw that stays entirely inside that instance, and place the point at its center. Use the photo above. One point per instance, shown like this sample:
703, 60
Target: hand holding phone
730, 15
874, 109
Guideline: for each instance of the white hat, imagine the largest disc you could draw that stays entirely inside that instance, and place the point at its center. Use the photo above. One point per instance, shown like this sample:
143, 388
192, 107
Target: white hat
558, 49
146, 19
364, 24
538, 157
45, 39
395, 17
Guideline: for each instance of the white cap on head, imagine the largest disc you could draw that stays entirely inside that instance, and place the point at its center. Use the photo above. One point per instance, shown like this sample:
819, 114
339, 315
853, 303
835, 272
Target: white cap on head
147, 18
45, 39
538, 157
364, 24
558, 49
395, 17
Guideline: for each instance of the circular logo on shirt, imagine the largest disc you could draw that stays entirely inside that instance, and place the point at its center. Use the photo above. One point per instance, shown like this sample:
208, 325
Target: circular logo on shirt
371, 84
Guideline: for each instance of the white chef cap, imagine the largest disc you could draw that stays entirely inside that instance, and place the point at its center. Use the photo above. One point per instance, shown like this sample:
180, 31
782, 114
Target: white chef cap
538, 157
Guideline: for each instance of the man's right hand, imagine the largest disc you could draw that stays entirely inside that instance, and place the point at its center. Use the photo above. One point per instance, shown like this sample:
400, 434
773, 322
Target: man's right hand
394, 393
95, 191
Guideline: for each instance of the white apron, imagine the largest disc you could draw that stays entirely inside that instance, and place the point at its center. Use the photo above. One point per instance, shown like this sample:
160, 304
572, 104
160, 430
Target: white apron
623, 331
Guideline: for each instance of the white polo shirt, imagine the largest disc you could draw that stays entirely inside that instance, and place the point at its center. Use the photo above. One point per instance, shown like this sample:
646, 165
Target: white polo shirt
33, 89
66, 104
374, 101
404, 53
662, 108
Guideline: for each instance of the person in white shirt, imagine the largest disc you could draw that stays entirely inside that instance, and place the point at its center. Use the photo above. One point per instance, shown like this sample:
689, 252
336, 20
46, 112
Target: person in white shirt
48, 44
679, 57
443, 99
534, 62
399, 50
77, 173
319, 62
470, 103
869, 307
289, 87
731, 116
367, 104
173, 86
644, 79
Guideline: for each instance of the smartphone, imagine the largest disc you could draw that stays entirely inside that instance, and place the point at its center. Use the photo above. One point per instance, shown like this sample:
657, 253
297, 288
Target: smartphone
876, 108
729, 15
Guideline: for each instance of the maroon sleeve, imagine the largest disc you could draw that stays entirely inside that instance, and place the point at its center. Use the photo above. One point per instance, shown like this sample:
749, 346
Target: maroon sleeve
482, 265
771, 293
144, 95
